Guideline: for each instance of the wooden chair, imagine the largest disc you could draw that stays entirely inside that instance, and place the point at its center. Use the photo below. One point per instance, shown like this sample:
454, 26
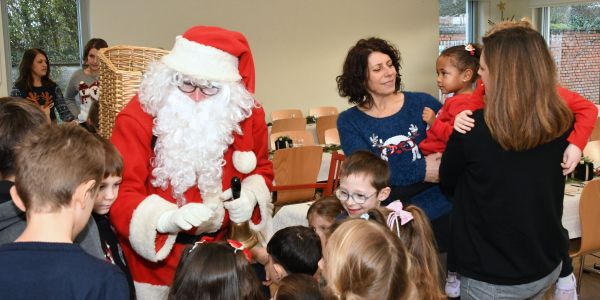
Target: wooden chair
288, 124
322, 111
592, 150
286, 114
298, 137
589, 210
324, 123
333, 180
332, 136
596, 131
296, 171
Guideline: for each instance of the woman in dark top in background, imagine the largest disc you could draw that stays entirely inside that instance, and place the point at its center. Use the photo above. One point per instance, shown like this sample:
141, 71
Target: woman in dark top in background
34, 83
506, 175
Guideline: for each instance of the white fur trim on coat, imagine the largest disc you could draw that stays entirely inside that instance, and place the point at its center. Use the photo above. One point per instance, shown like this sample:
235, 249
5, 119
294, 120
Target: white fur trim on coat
148, 291
256, 184
142, 229
201, 61
244, 161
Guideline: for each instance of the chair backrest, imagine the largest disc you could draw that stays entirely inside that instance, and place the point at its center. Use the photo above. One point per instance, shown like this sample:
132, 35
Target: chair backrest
596, 132
296, 171
333, 180
589, 212
332, 136
298, 137
288, 124
322, 111
286, 114
592, 150
324, 123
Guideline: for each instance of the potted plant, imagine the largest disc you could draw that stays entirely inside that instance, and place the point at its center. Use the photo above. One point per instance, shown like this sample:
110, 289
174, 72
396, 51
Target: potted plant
283, 142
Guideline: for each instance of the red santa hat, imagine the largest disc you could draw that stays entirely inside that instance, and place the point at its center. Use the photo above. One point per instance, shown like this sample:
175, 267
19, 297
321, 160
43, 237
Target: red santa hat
213, 53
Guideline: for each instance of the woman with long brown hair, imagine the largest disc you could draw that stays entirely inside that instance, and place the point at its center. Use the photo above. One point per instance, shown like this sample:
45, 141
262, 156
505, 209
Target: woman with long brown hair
506, 176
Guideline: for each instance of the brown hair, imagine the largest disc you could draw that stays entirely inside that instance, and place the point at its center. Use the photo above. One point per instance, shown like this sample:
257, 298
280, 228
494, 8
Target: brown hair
522, 114
365, 260
463, 59
214, 271
328, 207
366, 163
419, 241
298, 287
353, 81
18, 117
25, 80
52, 162
113, 162
94, 43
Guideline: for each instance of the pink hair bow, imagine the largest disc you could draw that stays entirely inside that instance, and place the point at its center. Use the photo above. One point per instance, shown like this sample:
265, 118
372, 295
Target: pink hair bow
398, 213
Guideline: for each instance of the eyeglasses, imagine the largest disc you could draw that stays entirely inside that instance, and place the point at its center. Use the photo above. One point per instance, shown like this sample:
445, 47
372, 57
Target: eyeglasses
358, 198
190, 87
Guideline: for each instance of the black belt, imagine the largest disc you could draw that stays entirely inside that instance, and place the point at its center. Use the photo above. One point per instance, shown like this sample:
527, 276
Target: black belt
188, 239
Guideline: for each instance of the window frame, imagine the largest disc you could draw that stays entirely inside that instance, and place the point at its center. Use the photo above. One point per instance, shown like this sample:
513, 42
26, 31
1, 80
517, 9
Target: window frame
83, 29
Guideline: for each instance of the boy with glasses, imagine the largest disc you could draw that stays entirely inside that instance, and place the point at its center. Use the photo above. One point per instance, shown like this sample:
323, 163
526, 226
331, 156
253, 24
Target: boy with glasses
364, 181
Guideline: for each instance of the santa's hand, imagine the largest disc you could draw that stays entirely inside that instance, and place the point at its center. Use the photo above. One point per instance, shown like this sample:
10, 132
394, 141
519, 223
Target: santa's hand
240, 209
571, 158
184, 218
462, 122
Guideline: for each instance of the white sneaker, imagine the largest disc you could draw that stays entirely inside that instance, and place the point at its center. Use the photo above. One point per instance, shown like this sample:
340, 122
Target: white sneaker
566, 288
452, 287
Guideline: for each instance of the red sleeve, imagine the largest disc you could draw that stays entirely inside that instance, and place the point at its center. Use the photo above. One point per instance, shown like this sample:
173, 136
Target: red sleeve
444, 123
264, 166
585, 113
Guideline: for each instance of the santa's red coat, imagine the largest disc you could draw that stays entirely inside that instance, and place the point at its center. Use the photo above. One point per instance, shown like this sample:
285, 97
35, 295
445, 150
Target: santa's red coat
152, 256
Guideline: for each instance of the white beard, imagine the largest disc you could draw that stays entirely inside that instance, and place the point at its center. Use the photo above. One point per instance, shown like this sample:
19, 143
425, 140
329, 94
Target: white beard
192, 137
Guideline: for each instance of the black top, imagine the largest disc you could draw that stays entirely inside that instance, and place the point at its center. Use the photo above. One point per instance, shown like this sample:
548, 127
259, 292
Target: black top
5, 186
506, 222
112, 250
37, 270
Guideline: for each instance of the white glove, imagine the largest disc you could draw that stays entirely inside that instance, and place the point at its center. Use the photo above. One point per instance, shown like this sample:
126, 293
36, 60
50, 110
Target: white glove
240, 210
184, 218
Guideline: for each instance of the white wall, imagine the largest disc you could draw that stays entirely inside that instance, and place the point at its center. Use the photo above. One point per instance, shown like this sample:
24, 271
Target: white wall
298, 46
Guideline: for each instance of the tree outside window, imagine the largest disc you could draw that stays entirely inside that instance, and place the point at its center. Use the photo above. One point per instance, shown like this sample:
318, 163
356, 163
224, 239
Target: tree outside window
51, 25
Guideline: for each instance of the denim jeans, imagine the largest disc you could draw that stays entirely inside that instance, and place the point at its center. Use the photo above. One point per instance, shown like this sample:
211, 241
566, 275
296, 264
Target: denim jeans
475, 289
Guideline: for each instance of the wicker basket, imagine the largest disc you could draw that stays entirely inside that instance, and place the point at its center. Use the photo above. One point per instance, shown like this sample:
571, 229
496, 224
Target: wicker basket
120, 75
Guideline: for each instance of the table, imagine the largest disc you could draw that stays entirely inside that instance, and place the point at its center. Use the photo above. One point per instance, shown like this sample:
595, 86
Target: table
311, 128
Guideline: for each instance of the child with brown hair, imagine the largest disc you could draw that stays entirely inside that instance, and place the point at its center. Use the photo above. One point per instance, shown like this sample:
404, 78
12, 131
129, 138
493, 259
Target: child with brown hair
412, 226
364, 181
59, 169
365, 260
218, 270
107, 194
321, 216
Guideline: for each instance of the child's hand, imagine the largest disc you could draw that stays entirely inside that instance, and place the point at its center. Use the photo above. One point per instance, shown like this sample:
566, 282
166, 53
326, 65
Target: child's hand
428, 116
571, 158
463, 123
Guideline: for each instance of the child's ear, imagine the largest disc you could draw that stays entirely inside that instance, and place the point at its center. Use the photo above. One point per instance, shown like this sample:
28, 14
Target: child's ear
468, 75
16, 199
83, 193
384, 193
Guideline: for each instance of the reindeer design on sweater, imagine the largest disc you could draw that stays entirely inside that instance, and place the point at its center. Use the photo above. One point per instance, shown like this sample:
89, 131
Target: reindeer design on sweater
398, 144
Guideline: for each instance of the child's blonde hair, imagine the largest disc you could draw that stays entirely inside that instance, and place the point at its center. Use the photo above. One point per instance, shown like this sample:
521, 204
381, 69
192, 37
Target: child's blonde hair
113, 162
417, 236
365, 260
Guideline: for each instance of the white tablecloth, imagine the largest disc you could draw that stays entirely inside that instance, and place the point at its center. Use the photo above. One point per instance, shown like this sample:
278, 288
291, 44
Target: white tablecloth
290, 215
570, 218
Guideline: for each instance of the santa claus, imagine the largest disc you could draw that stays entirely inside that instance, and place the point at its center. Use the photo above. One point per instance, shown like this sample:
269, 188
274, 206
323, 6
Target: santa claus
194, 125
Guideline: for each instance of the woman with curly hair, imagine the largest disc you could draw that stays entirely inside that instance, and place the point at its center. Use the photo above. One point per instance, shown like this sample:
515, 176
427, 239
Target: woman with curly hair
388, 122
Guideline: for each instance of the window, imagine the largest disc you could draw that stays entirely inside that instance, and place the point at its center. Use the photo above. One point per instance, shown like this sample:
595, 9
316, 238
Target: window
573, 34
454, 21
51, 25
